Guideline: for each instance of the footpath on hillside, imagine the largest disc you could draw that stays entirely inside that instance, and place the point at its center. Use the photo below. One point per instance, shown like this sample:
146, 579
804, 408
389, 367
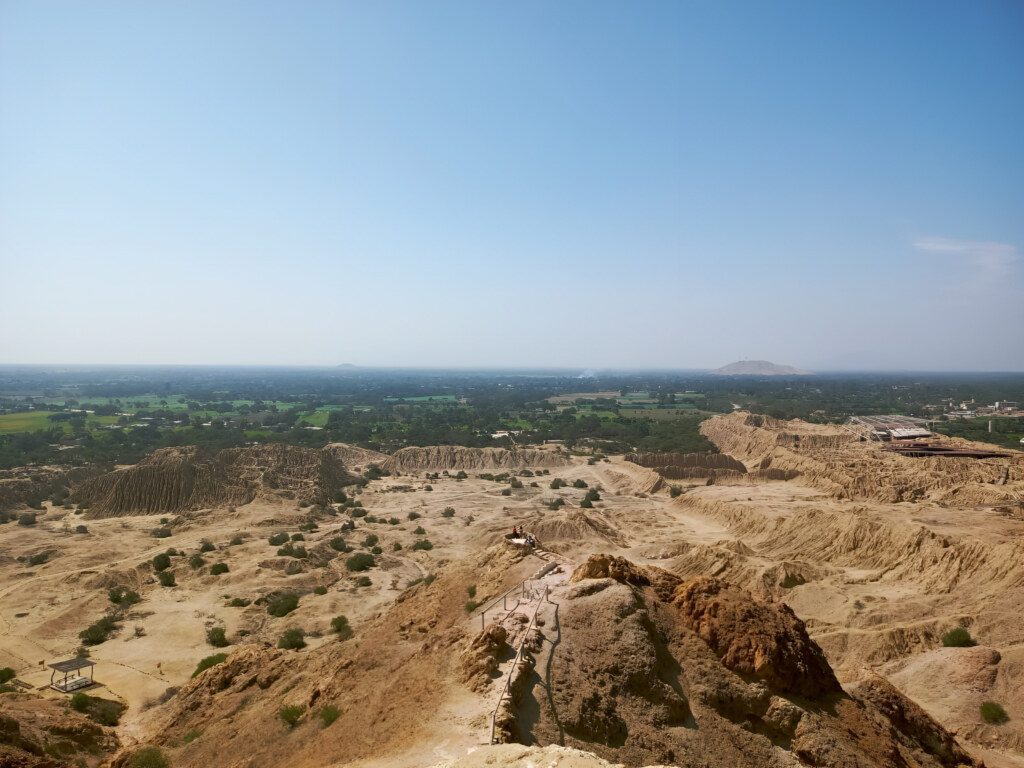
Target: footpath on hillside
526, 619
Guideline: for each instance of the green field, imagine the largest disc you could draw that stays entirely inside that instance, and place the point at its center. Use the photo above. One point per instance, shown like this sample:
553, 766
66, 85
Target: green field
422, 399
31, 421
28, 421
659, 414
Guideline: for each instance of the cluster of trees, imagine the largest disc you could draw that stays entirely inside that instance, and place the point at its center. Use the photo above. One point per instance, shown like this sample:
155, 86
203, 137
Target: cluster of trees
477, 405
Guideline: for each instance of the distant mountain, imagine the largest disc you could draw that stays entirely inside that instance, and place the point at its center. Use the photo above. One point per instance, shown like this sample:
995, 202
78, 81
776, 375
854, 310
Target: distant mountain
347, 365
759, 368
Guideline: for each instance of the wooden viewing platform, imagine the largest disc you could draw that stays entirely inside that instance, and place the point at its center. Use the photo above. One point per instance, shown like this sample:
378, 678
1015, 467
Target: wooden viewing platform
71, 680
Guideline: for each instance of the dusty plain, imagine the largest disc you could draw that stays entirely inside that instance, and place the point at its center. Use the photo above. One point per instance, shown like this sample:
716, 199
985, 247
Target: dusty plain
878, 555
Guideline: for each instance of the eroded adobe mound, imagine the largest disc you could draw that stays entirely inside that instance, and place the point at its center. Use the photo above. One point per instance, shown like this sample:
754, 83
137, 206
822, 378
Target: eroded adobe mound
684, 466
180, 479
354, 457
27, 486
834, 461
436, 458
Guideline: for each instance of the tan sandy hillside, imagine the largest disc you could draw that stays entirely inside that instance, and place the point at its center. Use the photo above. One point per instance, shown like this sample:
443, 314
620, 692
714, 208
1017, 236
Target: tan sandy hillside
697, 634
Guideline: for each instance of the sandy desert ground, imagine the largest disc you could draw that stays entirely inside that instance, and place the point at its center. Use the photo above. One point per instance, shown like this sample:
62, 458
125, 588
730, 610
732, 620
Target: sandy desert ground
878, 555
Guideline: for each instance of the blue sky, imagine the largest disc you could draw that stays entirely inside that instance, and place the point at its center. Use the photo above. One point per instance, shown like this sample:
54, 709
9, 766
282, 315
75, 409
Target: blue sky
831, 185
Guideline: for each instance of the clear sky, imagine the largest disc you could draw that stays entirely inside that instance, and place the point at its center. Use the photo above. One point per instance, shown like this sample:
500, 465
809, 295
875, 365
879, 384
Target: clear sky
832, 185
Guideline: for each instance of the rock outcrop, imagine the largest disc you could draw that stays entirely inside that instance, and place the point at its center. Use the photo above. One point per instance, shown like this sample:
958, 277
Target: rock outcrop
479, 661
172, 480
650, 669
436, 458
37, 732
759, 640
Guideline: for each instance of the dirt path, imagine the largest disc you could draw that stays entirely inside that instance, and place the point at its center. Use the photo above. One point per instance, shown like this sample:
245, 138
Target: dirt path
530, 616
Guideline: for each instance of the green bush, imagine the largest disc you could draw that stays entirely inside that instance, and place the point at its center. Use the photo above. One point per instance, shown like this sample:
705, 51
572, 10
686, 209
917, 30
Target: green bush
123, 596
290, 714
328, 714
39, 558
371, 540
414, 516
298, 537
448, 512
7, 674
239, 602
308, 526
397, 547
321, 590
557, 483
363, 581
102, 711
81, 529
419, 530
339, 544
166, 579
361, 561
282, 603
593, 495
210, 661
149, 757
196, 561
586, 504
218, 568
471, 605
278, 539
579, 483
236, 540
207, 546
161, 533
376, 551
161, 562
341, 627
290, 550
27, 518
98, 631
958, 638
358, 512
471, 590
422, 544
292, 639
506, 492
217, 637
393, 521
993, 713
515, 483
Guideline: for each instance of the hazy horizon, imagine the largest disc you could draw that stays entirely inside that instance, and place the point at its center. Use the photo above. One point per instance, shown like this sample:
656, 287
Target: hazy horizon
576, 371
453, 185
